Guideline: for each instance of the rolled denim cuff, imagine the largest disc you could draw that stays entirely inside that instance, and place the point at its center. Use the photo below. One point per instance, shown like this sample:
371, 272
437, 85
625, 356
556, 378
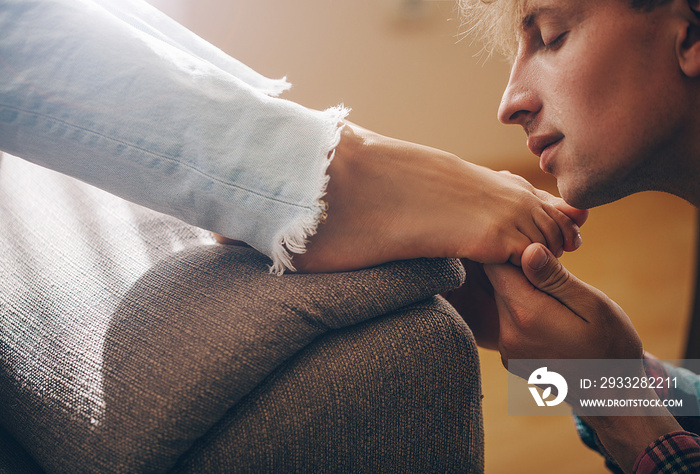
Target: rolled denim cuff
123, 98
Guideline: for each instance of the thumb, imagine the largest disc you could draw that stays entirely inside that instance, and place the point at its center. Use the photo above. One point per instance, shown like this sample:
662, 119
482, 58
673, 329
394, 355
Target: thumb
547, 274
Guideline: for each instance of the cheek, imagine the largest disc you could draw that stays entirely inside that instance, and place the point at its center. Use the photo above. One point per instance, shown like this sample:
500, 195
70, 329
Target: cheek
607, 108
583, 90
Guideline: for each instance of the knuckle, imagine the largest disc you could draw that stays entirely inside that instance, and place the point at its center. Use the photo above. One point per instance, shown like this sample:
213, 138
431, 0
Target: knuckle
557, 278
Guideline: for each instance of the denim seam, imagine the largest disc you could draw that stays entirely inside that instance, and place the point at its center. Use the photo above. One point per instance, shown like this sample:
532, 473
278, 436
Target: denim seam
158, 155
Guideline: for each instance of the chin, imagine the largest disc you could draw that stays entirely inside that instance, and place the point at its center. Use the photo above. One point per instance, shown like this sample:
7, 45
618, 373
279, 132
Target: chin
585, 188
587, 197
575, 200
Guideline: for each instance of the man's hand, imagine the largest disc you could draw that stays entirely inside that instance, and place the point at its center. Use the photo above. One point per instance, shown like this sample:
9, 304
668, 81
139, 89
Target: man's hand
547, 313
474, 300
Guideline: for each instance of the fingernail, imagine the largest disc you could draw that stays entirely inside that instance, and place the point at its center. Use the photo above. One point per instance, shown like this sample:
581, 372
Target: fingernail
538, 259
578, 241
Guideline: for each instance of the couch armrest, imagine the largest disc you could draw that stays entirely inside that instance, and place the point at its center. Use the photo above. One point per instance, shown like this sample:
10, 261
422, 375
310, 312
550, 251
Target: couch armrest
127, 335
398, 393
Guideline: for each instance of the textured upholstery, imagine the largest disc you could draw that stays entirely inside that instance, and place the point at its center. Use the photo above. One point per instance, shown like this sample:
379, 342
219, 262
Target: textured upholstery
129, 341
395, 394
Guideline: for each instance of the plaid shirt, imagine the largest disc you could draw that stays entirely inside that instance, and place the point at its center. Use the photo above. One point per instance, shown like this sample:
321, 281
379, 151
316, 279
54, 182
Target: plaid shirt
673, 453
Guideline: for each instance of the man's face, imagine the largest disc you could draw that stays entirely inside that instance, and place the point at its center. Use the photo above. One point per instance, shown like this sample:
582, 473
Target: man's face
594, 84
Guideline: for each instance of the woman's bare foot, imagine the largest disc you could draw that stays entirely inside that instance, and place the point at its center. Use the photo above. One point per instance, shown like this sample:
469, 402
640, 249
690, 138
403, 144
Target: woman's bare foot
392, 200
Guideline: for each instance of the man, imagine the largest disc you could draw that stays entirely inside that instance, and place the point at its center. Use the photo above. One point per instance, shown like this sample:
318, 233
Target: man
608, 93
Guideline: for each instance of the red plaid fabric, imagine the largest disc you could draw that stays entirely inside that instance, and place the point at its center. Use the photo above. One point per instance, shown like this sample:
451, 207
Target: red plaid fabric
673, 453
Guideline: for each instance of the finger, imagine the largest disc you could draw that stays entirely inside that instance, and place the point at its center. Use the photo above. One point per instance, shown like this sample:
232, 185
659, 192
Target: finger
524, 313
510, 286
528, 303
548, 275
532, 324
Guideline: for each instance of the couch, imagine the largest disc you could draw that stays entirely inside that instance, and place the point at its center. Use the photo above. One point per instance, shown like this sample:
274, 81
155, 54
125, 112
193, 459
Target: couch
132, 342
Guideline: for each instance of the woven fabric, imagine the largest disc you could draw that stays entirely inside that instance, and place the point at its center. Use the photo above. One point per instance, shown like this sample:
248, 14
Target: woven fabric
399, 393
125, 335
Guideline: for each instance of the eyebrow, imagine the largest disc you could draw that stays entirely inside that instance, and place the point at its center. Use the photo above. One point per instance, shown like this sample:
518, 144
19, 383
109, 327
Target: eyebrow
529, 19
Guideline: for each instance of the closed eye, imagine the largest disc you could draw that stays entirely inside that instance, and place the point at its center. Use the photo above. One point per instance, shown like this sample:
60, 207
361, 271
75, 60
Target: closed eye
556, 43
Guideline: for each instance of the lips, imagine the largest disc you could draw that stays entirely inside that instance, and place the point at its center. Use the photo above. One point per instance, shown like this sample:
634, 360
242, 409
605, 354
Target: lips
539, 143
543, 146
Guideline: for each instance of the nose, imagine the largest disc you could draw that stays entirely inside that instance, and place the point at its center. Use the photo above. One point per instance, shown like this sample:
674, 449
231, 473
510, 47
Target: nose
520, 101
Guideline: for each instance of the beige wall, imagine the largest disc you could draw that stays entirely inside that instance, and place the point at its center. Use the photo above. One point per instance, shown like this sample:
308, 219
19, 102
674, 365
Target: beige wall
410, 79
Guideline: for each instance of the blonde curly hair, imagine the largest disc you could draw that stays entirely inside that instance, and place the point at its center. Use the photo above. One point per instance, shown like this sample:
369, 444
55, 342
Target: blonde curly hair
494, 23
497, 23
